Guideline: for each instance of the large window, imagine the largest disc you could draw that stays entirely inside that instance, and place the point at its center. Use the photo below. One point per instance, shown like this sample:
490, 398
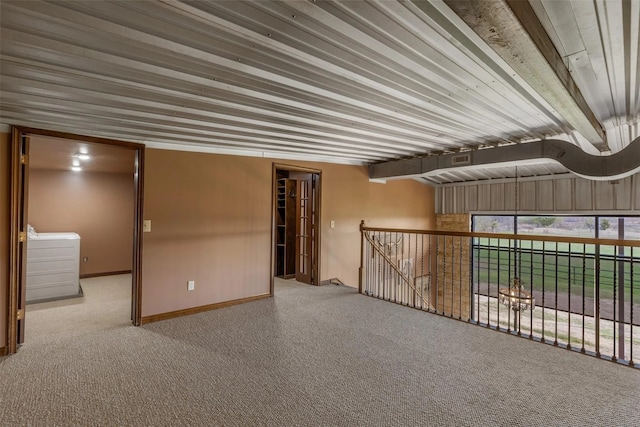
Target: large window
560, 268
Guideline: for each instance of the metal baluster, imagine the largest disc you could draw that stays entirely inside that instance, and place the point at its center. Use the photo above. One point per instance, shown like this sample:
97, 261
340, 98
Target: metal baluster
370, 266
380, 271
444, 279
389, 275
631, 302
422, 298
615, 297
411, 295
385, 270
489, 277
620, 250
437, 275
366, 266
584, 271
376, 265
460, 278
569, 299
477, 281
596, 314
433, 281
531, 288
404, 289
396, 286
418, 293
555, 340
408, 273
410, 298
498, 284
471, 278
374, 270
370, 269
372, 261
518, 256
544, 277
453, 263
511, 245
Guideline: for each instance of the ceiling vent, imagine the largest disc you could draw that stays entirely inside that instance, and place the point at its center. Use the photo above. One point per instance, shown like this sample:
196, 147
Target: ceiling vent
461, 159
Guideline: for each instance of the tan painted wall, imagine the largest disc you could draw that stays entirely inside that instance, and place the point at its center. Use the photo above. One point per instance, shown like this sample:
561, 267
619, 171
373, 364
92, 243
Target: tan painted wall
97, 206
5, 194
211, 222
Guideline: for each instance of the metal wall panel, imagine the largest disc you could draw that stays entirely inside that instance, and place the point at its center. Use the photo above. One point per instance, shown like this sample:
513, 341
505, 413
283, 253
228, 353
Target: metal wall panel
472, 197
623, 193
545, 195
497, 197
528, 196
460, 197
604, 196
583, 192
563, 194
484, 197
510, 197
447, 199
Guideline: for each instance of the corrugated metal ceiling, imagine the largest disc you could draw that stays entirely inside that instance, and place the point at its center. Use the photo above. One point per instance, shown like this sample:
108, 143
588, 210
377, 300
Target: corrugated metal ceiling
351, 82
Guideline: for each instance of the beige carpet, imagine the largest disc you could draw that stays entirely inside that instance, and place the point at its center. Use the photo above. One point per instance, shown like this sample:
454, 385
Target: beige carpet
106, 304
310, 356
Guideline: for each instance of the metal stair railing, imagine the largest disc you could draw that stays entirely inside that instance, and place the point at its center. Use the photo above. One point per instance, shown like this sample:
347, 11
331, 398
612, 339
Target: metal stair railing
378, 248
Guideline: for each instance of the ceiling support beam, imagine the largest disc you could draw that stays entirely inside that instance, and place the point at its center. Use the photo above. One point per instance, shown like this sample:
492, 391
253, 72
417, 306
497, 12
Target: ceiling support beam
514, 32
595, 167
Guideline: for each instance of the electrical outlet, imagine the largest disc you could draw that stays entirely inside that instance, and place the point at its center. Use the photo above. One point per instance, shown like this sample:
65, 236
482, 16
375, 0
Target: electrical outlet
191, 285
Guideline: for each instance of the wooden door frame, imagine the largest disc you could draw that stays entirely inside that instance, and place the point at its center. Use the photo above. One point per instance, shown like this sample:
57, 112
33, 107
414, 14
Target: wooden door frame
317, 245
15, 208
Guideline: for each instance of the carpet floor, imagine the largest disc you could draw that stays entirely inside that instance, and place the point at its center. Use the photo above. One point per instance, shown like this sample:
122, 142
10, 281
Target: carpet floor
311, 356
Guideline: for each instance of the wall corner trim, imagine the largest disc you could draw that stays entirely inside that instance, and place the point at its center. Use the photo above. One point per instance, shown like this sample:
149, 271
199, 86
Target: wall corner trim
200, 309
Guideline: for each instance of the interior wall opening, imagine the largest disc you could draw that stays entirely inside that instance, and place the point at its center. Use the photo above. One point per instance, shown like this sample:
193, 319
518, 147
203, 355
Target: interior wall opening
80, 216
296, 224
76, 222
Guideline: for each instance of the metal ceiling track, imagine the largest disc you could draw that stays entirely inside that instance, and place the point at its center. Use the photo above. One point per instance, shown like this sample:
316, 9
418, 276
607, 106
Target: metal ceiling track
515, 33
600, 168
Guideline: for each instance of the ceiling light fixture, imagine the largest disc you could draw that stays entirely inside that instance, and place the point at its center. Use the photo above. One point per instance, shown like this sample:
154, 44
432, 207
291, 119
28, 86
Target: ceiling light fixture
76, 168
82, 156
515, 296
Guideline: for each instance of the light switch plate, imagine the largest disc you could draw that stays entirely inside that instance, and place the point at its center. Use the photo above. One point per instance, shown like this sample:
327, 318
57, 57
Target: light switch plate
333, 224
146, 226
191, 285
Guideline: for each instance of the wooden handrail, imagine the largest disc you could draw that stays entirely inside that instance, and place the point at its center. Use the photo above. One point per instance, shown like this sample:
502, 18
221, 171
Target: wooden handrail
557, 239
404, 277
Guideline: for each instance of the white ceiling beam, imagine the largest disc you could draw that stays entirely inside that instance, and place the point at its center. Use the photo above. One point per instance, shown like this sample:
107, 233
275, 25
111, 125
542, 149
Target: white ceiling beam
514, 31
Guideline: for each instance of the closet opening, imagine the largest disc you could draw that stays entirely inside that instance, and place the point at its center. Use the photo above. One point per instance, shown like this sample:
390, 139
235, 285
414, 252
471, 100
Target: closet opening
296, 224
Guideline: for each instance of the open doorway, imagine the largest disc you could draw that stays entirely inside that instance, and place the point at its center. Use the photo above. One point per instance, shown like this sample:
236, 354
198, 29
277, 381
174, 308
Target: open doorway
296, 224
76, 213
